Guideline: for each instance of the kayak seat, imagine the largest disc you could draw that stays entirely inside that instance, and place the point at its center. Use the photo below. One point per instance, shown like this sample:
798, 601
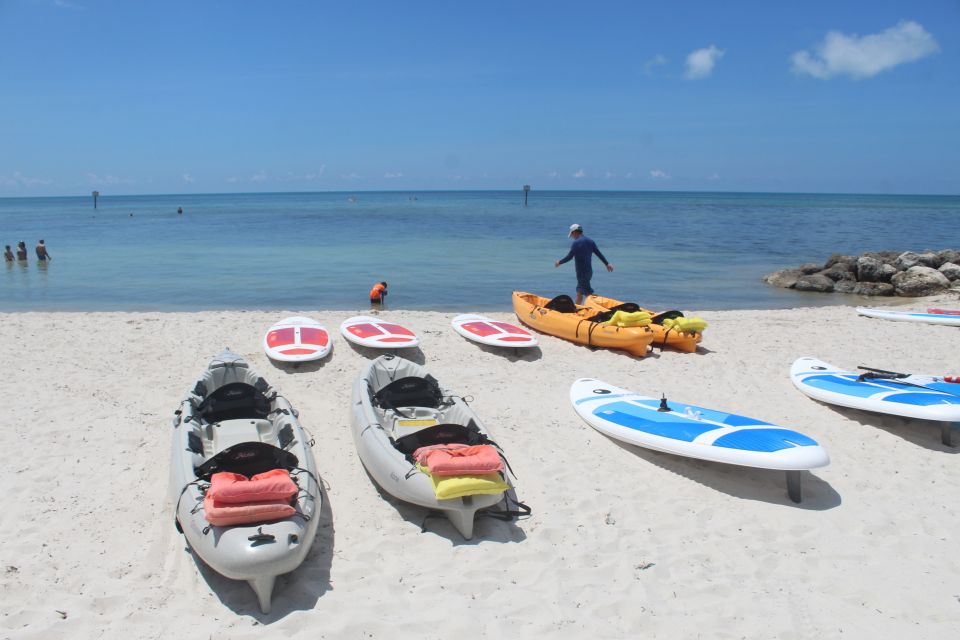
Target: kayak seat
562, 303
441, 434
247, 459
234, 400
411, 391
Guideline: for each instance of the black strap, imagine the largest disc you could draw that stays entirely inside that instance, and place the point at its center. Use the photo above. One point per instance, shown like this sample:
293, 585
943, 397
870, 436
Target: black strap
507, 514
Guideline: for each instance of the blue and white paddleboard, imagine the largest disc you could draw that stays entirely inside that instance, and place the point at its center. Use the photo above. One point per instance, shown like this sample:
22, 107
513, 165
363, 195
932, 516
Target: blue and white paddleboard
911, 316
694, 432
916, 396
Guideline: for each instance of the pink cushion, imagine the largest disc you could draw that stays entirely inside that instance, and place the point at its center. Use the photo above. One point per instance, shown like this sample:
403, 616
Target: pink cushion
457, 459
223, 515
233, 488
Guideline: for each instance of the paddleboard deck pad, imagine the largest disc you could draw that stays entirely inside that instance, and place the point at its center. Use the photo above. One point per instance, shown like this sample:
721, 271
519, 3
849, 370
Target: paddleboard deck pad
483, 330
372, 332
920, 397
696, 432
297, 339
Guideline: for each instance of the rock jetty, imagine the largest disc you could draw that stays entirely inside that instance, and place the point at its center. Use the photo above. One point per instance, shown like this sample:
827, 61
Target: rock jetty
878, 273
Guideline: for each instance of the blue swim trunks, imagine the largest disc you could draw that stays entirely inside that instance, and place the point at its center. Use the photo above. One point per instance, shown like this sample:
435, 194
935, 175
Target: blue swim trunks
583, 284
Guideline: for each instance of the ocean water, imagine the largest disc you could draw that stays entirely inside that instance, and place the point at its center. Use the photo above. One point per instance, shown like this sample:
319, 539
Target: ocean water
448, 251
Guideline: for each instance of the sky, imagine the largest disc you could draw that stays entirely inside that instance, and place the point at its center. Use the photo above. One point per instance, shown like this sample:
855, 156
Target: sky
860, 96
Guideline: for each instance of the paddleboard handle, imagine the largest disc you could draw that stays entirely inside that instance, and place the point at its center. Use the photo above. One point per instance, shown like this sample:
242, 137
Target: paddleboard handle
663, 404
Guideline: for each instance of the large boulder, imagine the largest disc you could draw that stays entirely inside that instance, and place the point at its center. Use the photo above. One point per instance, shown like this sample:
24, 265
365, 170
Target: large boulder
889, 257
875, 289
951, 270
906, 260
845, 286
949, 255
841, 271
839, 258
810, 267
785, 278
930, 259
814, 282
871, 269
920, 281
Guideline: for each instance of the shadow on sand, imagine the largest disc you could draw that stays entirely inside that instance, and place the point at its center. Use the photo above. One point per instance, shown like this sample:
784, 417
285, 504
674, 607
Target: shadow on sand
746, 483
923, 433
413, 354
298, 590
302, 367
485, 528
512, 354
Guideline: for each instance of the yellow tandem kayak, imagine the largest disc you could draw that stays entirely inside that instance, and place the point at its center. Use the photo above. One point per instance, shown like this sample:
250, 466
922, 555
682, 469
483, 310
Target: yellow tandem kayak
682, 334
562, 318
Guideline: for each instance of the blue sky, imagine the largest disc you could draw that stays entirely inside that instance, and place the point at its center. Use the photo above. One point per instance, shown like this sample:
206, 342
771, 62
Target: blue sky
208, 96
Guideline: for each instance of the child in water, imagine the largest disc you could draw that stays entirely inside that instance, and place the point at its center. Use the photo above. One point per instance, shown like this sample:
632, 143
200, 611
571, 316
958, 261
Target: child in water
378, 294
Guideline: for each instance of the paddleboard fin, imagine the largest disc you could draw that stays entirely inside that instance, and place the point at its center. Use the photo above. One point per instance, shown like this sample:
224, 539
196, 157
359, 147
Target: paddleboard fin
946, 433
793, 486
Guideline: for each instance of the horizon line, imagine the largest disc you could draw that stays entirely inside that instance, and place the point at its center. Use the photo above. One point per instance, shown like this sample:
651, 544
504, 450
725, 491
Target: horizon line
520, 190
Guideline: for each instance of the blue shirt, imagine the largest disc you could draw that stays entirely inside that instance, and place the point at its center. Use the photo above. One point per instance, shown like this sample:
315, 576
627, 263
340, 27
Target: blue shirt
582, 251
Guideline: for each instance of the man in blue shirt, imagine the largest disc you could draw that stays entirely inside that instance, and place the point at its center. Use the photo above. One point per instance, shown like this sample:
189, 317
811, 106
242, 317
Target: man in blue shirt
582, 251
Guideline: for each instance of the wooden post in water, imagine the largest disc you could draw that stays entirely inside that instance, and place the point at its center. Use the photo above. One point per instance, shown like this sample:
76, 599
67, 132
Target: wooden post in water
96, 194
526, 192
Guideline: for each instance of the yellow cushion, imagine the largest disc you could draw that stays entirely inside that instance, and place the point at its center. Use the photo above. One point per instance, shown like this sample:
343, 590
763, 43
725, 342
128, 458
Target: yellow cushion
629, 319
449, 487
692, 325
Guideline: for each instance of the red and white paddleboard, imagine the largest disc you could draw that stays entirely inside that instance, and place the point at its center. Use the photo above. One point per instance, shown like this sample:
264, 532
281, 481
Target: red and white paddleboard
379, 334
297, 339
945, 312
492, 332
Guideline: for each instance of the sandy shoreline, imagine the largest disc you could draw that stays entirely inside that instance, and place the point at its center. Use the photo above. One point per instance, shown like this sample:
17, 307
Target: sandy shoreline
622, 541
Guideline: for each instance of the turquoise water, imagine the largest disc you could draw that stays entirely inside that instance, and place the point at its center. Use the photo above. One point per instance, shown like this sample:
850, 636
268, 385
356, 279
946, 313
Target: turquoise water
442, 250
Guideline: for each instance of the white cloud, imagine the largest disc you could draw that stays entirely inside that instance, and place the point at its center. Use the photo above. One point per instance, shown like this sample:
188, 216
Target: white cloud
580, 174
389, 175
628, 174
553, 174
259, 176
233, 179
657, 174
95, 179
654, 62
713, 176
349, 176
609, 175
187, 178
700, 63
866, 56
17, 179
316, 174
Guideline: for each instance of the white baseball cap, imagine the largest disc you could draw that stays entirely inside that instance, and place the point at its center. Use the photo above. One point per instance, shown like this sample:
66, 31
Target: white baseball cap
575, 227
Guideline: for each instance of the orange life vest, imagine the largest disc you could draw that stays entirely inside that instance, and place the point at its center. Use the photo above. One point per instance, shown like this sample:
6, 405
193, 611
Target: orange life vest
377, 292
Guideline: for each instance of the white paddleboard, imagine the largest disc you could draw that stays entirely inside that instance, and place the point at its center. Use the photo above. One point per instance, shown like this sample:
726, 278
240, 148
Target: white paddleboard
378, 334
297, 339
492, 332
922, 397
692, 431
911, 316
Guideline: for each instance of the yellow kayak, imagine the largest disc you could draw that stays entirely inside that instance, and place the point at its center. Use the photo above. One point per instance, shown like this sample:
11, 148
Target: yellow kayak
562, 318
682, 334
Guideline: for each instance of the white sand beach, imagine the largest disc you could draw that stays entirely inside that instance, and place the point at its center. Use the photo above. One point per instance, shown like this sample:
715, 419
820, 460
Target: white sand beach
623, 542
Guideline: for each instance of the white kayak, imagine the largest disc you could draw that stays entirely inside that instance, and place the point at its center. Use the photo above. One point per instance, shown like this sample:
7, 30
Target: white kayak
696, 432
494, 333
914, 396
297, 339
233, 421
398, 407
372, 332
947, 319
